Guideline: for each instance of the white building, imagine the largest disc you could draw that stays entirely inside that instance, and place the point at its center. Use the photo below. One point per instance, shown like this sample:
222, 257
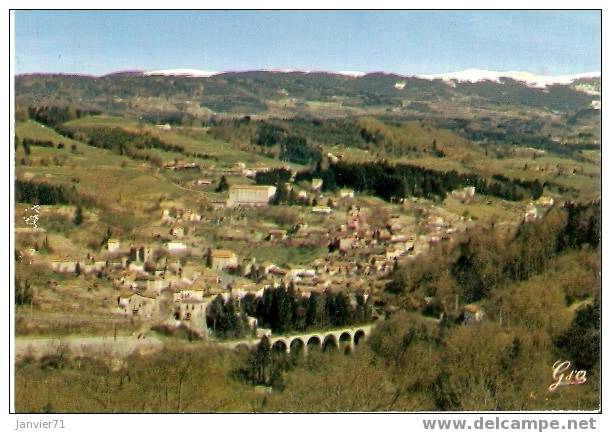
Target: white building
322, 210
250, 195
113, 245
346, 193
176, 247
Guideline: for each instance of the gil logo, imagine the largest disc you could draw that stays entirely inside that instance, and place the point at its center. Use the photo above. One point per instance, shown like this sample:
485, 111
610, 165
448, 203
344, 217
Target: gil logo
563, 377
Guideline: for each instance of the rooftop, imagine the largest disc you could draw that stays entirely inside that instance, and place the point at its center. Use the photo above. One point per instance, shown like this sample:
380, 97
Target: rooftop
222, 254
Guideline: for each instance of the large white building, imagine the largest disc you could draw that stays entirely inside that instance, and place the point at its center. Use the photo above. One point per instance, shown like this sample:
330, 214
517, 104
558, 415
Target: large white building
250, 195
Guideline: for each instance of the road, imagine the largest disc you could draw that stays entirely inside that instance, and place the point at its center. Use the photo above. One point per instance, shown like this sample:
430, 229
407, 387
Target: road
77, 346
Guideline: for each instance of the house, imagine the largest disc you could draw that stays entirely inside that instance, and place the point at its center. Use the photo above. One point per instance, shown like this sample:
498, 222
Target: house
123, 300
137, 267
176, 247
144, 305
325, 210
398, 238
354, 224
166, 217
113, 245
141, 254
383, 235
250, 195
346, 243
210, 277
191, 313
218, 204
251, 322
158, 285
276, 234
192, 216
394, 253
177, 232
189, 294
222, 259
545, 202
270, 268
472, 313
464, 195
346, 193
531, 214
316, 185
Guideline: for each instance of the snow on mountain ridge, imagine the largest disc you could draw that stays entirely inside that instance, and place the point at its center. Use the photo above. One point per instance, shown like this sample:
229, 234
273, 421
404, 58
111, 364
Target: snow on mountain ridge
469, 75
183, 72
199, 73
530, 79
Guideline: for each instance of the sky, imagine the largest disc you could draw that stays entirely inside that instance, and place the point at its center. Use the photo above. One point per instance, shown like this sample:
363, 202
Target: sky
405, 42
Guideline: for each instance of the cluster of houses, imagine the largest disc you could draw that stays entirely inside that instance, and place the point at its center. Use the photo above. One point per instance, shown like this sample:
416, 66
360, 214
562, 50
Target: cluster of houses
155, 282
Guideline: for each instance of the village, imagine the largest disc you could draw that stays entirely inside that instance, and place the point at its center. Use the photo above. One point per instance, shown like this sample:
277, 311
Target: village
191, 258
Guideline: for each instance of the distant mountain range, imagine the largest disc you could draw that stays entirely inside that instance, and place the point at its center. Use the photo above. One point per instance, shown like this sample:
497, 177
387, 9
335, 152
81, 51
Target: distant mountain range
469, 75
287, 92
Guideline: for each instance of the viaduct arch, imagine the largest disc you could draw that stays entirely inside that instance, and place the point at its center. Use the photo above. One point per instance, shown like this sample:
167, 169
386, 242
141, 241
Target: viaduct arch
345, 339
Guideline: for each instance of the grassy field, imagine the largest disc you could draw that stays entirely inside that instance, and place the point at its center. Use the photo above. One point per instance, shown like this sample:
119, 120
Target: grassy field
484, 209
284, 256
115, 180
191, 138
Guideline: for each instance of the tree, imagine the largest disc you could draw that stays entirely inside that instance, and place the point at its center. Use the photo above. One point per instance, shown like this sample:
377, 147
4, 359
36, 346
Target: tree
223, 185
78, 216
581, 340
24, 294
281, 194
46, 246
209, 257
260, 362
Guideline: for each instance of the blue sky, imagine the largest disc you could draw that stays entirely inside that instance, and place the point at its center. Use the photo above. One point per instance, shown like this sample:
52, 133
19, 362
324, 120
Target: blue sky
406, 42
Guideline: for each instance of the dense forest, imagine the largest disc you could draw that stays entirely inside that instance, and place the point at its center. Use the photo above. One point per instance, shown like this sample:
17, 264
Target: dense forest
394, 181
53, 115
283, 310
43, 193
490, 257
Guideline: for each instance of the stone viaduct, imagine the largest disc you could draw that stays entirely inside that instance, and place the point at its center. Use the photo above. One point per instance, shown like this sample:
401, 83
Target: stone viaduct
345, 339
